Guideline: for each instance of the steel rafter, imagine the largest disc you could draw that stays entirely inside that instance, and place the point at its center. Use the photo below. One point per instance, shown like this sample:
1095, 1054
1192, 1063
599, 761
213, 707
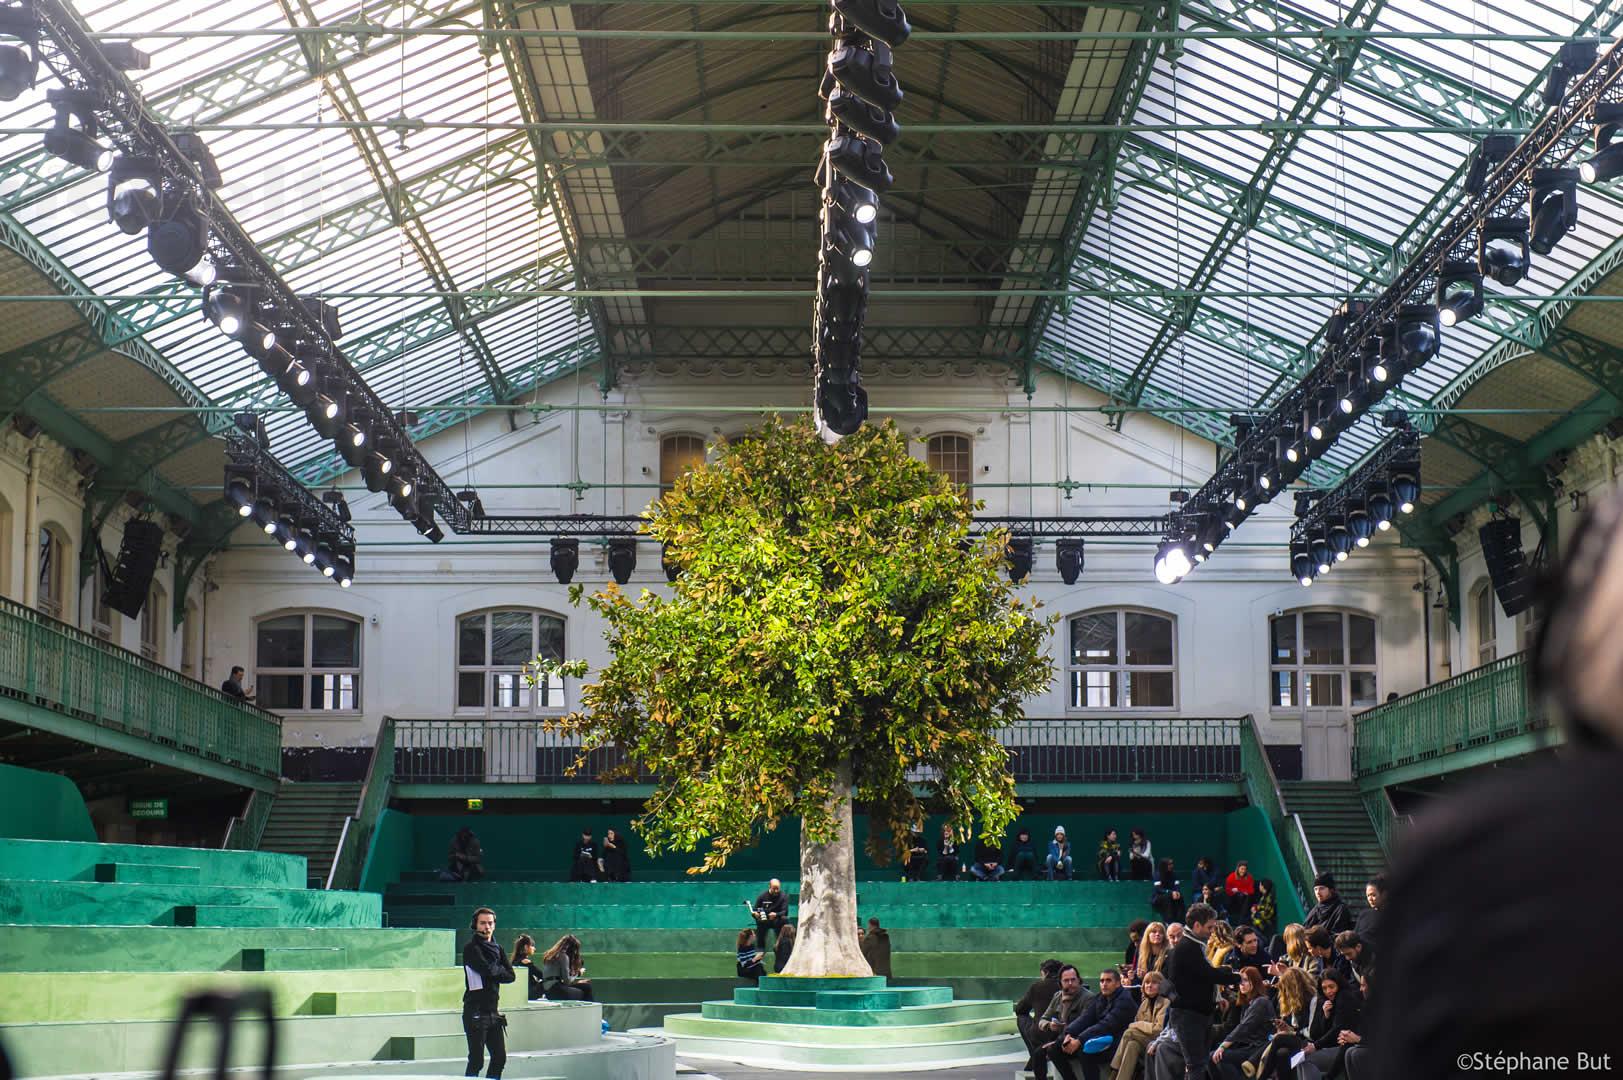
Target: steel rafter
769, 254
698, 342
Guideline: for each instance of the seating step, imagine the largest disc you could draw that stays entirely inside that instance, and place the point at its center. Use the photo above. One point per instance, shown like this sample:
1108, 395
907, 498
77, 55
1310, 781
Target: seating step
361, 1002
427, 1047
148, 873
226, 915
295, 958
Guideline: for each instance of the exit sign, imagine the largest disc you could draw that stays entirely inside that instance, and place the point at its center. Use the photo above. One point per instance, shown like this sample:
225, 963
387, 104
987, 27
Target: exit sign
476, 804
149, 808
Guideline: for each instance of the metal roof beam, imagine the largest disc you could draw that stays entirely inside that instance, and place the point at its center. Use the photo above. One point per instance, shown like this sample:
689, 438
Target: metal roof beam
965, 342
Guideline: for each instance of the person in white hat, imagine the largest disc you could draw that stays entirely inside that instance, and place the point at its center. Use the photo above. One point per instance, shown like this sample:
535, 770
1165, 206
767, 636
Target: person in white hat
1059, 855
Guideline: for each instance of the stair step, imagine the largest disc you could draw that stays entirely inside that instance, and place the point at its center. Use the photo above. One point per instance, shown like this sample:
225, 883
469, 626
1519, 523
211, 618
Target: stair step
295, 958
362, 1002
148, 873
226, 915
427, 1047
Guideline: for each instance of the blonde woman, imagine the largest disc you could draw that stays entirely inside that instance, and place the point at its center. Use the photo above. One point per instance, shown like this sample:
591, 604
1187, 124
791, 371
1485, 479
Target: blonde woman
1296, 954
1296, 991
1146, 1025
1153, 949
1220, 944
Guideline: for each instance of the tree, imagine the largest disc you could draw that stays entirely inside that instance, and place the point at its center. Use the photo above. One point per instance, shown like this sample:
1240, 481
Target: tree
834, 632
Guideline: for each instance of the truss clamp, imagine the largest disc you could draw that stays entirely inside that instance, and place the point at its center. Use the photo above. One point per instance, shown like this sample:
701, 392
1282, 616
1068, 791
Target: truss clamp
403, 125
362, 29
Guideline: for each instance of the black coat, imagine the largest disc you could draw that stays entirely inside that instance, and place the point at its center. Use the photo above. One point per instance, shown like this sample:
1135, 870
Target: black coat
1251, 1033
775, 907
1368, 925
1037, 997
1194, 980
1104, 1016
1344, 1016
484, 962
1332, 915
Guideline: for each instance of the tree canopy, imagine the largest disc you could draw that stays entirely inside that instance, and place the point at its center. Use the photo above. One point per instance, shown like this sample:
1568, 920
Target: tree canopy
831, 607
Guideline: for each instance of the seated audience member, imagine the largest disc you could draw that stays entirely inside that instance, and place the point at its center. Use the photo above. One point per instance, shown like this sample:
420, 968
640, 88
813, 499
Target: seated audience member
947, 867
1219, 944
1212, 896
1368, 923
1140, 860
1163, 1058
1335, 1010
1206, 874
986, 866
1135, 938
1296, 994
613, 859
1358, 953
1167, 895
1022, 857
1240, 888
1063, 1007
562, 973
1147, 1023
1293, 946
1323, 957
1029, 1009
1059, 856
749, 956
1330, 911
1109, 858
770, 912
466, 859
1251, 1031
1248, 950
1174, 935
1353, 1058
1153, 950
1265, 909
583, 860
784, 949
1090, 1037
875, 944
917, 867
523, 956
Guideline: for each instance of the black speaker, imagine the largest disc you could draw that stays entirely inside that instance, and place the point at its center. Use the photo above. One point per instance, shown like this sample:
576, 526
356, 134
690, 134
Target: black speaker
131, 579
1507, 566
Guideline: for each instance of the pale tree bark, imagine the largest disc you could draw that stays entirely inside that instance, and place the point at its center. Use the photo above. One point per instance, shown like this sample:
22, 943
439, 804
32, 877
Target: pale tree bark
826, 937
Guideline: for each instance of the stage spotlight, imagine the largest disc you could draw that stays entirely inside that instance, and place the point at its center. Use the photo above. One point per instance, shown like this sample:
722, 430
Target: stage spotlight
375, 470
861, 116
134, 200
1322, 554
1361, 526
304, 546
1346, 394
76, 144
847, 237
1069, 557
229, 307
1341, 540
879, 19
866, 73
264, 513
19, 64
1489, 152
1552, 207
1576, 57
340, 505
239, 487
1606, 164
1301, 564
565, 558
860, 161
1405, 488
1172, 562
842, 403
344, 571
1374, 366
1380, 508
283, 530
178, 244
1210, 532
856, 200
622, 558
1502, 251
1418, 337
1459, 293
1021, 556
324, 313
359, 428
401, 492
329, 412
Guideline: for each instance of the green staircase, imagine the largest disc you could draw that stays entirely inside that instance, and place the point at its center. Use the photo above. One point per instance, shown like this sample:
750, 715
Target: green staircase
1340, 835
308, 820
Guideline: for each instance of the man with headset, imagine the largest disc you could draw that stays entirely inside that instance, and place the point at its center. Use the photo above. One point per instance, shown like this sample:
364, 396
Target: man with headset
484, 968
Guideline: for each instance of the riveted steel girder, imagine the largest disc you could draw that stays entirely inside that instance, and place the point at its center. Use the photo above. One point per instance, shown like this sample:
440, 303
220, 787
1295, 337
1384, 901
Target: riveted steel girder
773, 254
1000, 344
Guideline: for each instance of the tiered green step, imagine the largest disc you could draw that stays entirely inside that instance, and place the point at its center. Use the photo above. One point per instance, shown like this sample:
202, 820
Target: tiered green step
114, 904
156, 948
56, 860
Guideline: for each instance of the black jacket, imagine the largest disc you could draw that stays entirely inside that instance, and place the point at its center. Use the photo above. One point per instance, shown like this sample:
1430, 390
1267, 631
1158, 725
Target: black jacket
1344, 1016
485, 963
1332, 915
585, 852
1368, 925
776, 907
1252, 1032
616, 860
1104, 1016
1037, 997
1193, 978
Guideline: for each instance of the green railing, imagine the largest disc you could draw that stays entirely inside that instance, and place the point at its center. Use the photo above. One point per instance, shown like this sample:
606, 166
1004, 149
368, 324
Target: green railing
350, 857
1487, 705
242, 833
1262, 789
1388, 823
51, 664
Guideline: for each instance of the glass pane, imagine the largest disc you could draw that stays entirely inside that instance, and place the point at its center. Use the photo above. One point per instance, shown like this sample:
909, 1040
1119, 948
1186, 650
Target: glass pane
1360, 640
1147, 690
470, 641
949, 455
281, 643
1285, 690
1149, 639
1321, 638
1093, 689
1093, 638
1324, 689
1284, 638
335, 642
47, 570
1485, 630
332, 691
678, 454
512, 637
470, 690
280, 692
510, 691
1363, 688
552, 638
550, 692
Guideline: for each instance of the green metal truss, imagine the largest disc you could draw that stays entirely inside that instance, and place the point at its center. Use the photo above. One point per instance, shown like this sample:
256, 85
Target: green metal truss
773, 257
641, 343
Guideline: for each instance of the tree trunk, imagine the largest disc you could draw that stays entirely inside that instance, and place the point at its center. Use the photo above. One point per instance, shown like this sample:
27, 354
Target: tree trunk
826, 937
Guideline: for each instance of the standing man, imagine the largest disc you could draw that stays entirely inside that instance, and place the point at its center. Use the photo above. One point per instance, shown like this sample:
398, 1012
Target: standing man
1062, 1009
484, 968
583, 861
232, 687
1029, 1009
1240, 887
770, 912
875, 944
1195, 982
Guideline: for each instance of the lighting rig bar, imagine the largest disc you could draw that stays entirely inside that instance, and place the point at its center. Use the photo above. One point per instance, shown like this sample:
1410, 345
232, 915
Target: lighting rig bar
620, 525
1521, 197
317, 531
165, 184
1331, 526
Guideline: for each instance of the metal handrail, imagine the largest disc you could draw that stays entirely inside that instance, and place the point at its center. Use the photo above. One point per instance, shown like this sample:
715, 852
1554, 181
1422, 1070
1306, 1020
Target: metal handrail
350, 855
1263, 790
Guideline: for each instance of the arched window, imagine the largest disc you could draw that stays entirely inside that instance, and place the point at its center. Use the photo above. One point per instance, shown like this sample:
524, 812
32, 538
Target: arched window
678, 454
1322, 659
1485, 610
308, 662
951, 456
1123, 659
188, 642
152, 616
53, 571
492, 649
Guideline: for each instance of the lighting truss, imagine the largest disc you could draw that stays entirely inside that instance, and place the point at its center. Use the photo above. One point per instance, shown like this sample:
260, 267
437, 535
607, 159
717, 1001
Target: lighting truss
183, 177
1518, 194
631, 525
313, 529
1331, 526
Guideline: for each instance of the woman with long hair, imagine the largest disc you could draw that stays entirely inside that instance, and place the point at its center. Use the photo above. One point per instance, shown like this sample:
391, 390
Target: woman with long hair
523, 951
1147, 1023
1250, 1033
1153, 949
562, 971
1220, 944
1265, 911
1296, 954
1295, 998
1335, 1010
784, 948
1167, 895
749, 957
613, 858
1140, 859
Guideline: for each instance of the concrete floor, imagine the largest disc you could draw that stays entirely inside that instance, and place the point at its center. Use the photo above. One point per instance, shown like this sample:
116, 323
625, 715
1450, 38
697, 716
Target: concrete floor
725, 1071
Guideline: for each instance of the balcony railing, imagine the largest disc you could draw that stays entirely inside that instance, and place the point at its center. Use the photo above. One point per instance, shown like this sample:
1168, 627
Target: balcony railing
59, 667
1483, 706
1040, 751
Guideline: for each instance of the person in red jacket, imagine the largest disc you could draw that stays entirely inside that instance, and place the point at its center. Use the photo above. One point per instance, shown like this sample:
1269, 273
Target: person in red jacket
1240, 887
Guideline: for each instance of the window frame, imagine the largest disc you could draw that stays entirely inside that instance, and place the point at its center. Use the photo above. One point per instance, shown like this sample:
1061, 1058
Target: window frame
968, 455
489, 709
1303, 670
308, 671
55, 572
1487, 648
189, 665
102, 625
1120, 666
664, 441
151, 636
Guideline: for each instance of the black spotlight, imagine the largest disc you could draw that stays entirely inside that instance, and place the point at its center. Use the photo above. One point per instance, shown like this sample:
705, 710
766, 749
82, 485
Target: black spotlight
329, 412
1418, 337
879, 19
1575, 58
134, 198
239, 487
861, 161
842, 403
1552, 207
846, 236
865, 73
1069, 556
73, 137
195, 150
622, 557
19, 64
672, 571
131, 579
862, 116
178, 243
340, 505
1301, 563
1507, 567
375, 472
1502, 252
1020, 555
1459, 293
565, 558
1607, 161
1489, 152
324, 313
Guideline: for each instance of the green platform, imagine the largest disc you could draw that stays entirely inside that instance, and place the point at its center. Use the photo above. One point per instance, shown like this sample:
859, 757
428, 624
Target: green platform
47, 860
92, 903
156, 948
